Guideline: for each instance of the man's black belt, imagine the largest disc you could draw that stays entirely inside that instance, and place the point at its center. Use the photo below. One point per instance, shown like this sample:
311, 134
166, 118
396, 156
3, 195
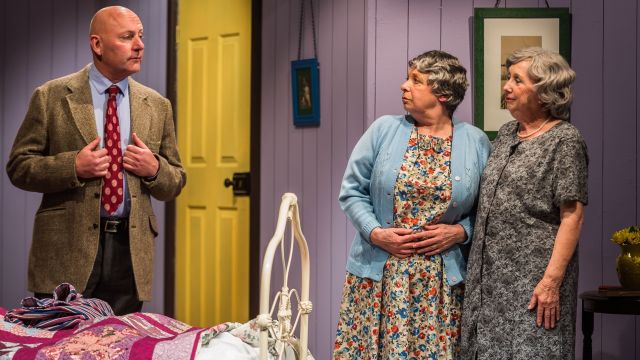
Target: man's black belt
114, 225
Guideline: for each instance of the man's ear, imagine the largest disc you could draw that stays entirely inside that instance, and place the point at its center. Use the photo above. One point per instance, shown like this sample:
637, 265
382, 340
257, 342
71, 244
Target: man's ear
96, 45
442, 99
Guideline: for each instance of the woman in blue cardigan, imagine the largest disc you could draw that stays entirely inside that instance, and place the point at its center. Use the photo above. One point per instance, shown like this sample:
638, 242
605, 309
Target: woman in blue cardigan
410, 191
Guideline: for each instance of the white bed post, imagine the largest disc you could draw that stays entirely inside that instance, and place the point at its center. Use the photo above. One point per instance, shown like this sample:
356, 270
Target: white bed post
288, 212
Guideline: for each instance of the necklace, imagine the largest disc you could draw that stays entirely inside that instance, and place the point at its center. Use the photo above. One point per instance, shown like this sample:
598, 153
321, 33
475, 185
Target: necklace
524, 136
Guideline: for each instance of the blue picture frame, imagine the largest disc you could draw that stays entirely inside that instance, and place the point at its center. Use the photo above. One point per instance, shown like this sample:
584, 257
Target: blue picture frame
305, 92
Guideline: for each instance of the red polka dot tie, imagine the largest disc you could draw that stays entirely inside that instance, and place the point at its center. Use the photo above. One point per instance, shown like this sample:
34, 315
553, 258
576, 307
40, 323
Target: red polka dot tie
112, 183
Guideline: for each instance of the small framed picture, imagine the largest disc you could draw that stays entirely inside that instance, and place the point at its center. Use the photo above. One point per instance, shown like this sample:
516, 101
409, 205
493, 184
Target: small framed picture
497, 32
305, 91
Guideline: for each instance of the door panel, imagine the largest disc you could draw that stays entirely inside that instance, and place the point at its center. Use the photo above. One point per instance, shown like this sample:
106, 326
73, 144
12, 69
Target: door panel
212, 242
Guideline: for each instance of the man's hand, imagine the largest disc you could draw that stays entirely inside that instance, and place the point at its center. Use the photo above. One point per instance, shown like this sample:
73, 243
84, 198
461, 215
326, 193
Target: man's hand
139, 160
91, 163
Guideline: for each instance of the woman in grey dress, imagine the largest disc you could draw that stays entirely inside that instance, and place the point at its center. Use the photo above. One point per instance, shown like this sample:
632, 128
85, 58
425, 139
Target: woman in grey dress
520, 296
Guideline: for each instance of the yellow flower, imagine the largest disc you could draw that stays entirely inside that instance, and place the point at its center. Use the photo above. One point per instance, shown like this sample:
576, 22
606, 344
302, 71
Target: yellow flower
627, 236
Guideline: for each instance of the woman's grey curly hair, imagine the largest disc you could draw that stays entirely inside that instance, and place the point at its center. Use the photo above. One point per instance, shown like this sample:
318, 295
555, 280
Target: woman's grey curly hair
552, 77
445, 75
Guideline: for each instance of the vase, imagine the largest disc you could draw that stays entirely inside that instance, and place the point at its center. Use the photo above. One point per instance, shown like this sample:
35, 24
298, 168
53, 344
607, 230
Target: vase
628, 266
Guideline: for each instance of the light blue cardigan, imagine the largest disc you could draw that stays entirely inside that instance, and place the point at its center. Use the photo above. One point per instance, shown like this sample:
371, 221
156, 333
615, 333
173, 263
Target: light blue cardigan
369, 181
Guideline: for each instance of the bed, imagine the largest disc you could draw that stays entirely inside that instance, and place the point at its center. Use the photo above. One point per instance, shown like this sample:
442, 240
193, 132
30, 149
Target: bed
271, 335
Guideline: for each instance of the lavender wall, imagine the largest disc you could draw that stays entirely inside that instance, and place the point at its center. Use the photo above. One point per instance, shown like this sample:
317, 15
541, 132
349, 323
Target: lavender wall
358, 84
41, 40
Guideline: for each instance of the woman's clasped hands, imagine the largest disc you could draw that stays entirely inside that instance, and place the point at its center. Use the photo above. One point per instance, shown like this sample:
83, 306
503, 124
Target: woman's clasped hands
434, 239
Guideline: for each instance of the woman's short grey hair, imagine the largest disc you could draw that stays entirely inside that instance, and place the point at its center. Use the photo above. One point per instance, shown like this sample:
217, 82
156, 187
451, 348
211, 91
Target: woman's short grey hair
552, 77
445, 74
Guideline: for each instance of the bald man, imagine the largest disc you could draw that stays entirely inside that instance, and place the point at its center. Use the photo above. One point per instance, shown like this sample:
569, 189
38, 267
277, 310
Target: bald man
97, 144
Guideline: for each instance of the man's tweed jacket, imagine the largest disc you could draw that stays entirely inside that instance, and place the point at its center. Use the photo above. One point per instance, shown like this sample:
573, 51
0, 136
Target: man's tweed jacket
60, 121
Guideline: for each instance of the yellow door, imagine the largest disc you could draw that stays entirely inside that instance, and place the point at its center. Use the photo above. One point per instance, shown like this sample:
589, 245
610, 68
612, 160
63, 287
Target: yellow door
212, 242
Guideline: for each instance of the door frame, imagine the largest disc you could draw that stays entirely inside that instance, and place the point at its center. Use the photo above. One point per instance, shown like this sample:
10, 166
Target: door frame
254, 197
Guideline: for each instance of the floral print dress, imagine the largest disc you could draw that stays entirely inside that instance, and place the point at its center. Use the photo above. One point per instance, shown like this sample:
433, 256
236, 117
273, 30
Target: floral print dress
411, 313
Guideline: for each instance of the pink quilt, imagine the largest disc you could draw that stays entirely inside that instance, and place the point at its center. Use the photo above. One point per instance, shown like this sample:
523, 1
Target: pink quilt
133, 336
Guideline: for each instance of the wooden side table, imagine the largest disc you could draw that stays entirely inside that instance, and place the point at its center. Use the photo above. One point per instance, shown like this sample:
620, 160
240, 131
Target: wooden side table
606, 302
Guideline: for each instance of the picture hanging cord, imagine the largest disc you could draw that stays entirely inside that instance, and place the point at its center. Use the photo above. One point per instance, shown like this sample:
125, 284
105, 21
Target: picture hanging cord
313, 28
498, 3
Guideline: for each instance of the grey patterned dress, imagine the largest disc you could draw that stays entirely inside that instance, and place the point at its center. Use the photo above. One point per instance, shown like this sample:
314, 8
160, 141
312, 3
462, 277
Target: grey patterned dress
522, 188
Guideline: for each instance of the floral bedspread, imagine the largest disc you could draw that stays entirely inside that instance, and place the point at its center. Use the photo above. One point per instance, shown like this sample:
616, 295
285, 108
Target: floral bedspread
133, 336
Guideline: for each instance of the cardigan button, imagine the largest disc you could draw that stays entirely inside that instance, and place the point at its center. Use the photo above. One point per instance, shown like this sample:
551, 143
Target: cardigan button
457, 178
455, 204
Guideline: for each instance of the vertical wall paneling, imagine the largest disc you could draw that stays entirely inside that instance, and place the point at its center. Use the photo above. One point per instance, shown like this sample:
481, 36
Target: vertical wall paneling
326, 300
370, 61
356, 123
309, 169
424, 28
284, 47
282, 17
483, 3
619, 133
391, 38
84, 13
525, 3
637, 151
296, 147
456, 39
39, 65
14, 234
3, 154
267, 111
339, 151
64, 40
308, 211
282, 92
271, 18
275, 171
294, 157
587, 115
556, 3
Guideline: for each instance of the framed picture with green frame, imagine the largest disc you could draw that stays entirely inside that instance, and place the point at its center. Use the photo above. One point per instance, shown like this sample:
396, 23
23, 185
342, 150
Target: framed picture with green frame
496, 33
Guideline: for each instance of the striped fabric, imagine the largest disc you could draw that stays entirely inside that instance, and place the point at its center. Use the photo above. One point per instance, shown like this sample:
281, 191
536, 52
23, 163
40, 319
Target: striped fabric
66, 310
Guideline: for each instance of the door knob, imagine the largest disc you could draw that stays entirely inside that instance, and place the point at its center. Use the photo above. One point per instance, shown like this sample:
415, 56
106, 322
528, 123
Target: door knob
241, 184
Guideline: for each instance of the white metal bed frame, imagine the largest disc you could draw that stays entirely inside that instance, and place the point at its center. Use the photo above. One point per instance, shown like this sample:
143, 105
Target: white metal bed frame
282, 330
